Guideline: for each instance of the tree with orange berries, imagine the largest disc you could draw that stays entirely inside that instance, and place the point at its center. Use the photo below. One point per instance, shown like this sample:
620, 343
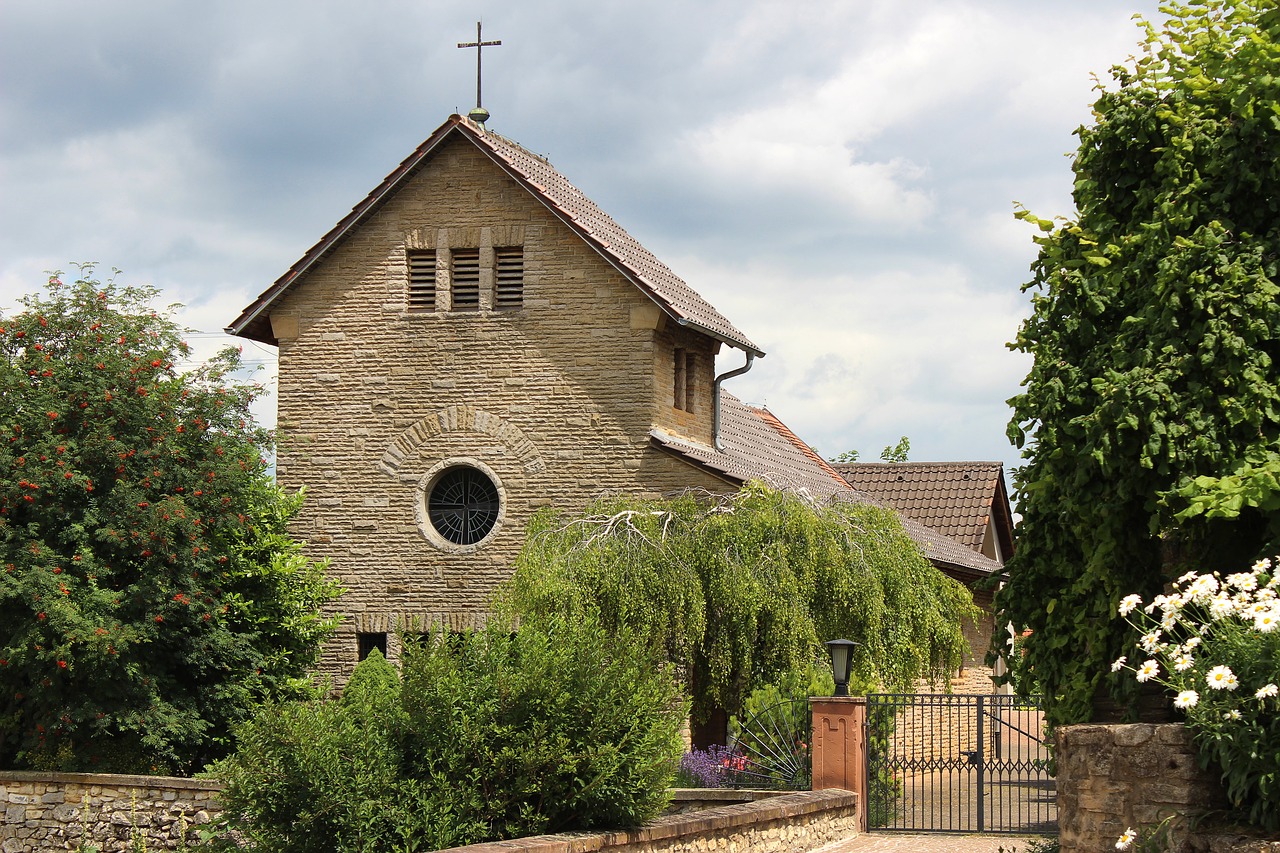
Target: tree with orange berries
150, 595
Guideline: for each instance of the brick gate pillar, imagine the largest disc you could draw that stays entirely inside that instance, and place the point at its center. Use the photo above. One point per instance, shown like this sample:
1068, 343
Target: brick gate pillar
840, 747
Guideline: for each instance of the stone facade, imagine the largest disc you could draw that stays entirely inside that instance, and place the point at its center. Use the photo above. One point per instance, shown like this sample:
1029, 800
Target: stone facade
795, 823
69, 811
554, 401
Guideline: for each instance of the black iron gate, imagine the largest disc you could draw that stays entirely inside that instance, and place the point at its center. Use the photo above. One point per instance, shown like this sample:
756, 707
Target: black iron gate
958, 763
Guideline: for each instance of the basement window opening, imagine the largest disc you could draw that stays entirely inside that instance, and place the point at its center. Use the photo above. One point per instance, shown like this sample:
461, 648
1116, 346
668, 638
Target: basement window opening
366, 642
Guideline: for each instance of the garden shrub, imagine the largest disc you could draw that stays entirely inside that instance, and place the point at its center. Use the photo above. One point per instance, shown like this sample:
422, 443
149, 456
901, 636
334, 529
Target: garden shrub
318, 776
491, 734
550, 728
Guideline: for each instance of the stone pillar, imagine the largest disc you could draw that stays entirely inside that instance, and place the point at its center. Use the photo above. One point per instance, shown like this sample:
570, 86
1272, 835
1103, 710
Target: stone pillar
840, 747
1115, 777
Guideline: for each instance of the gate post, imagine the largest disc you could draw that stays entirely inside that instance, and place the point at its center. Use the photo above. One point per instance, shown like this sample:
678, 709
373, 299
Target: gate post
840, 747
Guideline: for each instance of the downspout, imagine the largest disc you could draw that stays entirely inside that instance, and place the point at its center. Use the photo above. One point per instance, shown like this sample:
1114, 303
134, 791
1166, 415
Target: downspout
715, 393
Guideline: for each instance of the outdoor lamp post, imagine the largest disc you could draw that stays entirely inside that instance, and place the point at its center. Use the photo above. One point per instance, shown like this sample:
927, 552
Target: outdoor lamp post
841, 663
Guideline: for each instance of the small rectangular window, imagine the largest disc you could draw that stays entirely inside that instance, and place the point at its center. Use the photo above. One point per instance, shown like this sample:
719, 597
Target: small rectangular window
679, 380
422, 280
683, 381
367, 642
508, 278
465, 288
690, 360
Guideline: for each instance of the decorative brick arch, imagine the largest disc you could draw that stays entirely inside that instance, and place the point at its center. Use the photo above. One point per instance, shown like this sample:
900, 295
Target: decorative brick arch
461, 419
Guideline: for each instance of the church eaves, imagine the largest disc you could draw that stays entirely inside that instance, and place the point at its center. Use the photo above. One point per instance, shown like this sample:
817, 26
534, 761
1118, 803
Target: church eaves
626, 254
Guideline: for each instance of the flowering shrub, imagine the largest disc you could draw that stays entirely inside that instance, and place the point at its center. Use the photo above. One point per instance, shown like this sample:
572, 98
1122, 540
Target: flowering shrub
1214, 642
150, 593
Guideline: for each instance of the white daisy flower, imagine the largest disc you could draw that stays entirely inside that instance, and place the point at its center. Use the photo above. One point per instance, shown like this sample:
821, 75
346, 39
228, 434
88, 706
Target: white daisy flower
1126, 839
1204, 588
1191, 643
1243, 580
1262, 565
1150, 643
1185, 579
1266, 691
1149, 670
1266, 622
1231, 715
1129, 602
1182, 663
1222, 678
1186, 699
1119, 663
1221, 607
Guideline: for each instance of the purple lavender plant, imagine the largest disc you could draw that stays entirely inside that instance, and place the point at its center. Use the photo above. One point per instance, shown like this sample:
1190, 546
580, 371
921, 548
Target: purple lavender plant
709, 768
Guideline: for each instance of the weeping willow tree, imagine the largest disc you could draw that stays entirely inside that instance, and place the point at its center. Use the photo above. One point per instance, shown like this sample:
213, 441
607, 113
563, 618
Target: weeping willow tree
739, 590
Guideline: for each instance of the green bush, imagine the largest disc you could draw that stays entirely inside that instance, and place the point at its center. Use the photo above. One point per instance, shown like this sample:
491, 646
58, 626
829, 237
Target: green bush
492, 734
547, 729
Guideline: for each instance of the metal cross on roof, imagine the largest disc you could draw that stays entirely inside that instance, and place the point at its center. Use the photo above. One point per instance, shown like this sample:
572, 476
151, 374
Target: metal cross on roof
479, 114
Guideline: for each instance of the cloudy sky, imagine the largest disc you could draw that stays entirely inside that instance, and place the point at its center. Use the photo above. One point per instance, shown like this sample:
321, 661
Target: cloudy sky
838, 178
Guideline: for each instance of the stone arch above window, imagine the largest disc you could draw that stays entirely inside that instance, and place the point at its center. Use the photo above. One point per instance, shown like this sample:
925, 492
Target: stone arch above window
461, 419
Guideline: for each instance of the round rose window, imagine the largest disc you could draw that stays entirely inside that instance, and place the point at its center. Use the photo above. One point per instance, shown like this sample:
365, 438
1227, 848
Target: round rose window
463, 505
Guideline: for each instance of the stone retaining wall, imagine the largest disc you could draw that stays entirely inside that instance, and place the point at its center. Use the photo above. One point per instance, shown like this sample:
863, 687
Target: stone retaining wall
58, 811
794, 823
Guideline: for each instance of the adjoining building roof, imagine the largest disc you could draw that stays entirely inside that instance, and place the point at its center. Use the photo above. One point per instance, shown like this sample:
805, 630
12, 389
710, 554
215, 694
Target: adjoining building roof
954, 498
681, 302
758, 446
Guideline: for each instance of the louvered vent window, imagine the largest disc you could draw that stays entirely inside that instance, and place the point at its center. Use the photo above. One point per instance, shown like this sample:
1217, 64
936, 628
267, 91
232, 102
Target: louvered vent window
508, 278
422, 280
466, 280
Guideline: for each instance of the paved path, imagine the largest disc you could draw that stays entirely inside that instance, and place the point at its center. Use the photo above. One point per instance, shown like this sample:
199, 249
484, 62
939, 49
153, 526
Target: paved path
949, 843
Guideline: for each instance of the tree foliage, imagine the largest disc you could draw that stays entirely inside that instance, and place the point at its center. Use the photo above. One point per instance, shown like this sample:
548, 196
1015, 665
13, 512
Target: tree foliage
1151, 415
740, 590
150, 594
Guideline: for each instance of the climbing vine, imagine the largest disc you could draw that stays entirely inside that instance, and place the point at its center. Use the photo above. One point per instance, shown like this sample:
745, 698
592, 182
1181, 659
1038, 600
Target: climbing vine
738, 590
1151, 416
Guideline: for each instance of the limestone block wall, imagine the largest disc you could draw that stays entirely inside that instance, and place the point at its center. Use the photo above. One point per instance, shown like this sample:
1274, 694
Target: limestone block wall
1113, 777
62, 811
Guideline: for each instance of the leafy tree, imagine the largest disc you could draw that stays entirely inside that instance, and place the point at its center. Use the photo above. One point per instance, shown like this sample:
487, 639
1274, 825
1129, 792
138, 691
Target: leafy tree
1151, 415
896, 452
150, 594
740, 590
891, 453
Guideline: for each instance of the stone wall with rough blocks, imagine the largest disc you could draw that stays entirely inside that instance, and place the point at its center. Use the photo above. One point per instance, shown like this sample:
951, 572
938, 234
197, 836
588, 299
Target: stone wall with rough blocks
795, 823
556, 399
59, 811
1115, 777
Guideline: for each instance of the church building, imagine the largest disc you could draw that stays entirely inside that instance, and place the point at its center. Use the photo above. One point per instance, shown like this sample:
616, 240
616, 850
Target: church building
476, 340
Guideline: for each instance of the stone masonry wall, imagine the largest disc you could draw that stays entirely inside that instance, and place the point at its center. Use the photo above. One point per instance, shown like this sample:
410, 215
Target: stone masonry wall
556, 399
60, 811
795, 823
1115, 777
